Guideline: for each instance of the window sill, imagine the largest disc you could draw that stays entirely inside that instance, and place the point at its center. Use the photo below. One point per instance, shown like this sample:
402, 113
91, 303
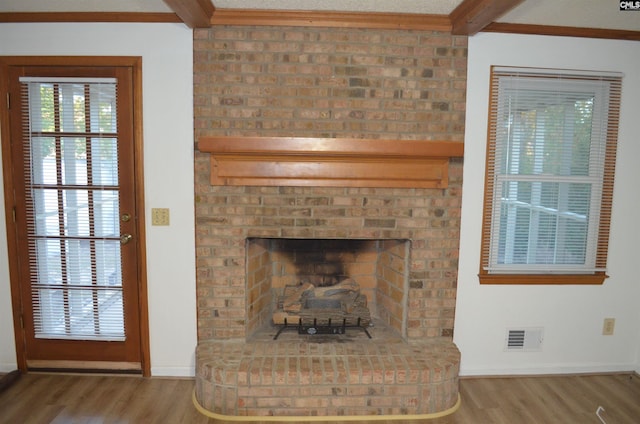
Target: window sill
551, 279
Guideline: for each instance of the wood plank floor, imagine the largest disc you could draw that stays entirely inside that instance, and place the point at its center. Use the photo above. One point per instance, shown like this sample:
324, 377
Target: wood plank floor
60, 398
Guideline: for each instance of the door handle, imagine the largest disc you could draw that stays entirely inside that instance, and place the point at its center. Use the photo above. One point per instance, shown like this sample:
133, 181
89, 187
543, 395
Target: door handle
125, 238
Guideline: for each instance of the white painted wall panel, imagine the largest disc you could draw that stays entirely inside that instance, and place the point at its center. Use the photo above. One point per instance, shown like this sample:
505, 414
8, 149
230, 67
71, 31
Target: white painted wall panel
572, 316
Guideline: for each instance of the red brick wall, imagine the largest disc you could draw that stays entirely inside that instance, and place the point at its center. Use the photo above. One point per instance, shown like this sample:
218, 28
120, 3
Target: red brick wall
327, 82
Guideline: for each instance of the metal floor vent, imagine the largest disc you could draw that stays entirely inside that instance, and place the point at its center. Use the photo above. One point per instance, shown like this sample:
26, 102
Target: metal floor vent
524, 339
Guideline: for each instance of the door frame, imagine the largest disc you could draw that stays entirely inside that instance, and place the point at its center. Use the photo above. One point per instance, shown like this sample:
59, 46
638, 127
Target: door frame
135, 63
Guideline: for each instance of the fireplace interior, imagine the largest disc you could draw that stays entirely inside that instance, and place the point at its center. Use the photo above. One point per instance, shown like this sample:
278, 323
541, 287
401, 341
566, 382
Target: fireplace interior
352, 282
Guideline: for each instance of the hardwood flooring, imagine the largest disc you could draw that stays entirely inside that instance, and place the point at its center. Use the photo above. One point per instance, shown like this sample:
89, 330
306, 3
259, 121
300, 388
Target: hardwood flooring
90, 399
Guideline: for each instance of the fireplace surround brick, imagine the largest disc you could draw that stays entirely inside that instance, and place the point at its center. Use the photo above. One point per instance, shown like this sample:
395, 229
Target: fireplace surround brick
433, 262
327, 83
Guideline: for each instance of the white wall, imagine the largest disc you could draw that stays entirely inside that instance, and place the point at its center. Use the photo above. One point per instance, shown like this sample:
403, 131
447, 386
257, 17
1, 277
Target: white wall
572, 316
167, 67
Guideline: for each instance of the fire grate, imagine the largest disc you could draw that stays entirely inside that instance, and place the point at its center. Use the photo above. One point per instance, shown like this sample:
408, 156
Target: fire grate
313, 328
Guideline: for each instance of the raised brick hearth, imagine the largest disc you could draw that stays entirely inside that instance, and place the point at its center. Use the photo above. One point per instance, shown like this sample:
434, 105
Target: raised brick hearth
327, 83
303, 377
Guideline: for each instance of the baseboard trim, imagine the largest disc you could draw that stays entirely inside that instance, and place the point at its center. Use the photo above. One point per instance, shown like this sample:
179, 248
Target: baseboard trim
550, 370
547, 375
181, 372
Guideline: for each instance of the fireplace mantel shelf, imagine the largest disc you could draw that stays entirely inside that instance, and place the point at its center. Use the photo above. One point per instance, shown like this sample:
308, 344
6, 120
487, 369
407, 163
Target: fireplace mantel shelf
332, 162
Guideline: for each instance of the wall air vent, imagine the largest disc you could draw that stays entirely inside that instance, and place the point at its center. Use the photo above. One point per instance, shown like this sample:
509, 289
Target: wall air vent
524, 339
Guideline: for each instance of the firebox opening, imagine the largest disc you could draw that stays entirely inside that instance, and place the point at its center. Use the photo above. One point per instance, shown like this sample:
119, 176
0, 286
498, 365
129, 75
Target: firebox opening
352, 279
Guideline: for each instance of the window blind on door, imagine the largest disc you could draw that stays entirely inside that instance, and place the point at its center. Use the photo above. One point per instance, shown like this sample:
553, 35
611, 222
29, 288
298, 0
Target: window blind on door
72, 207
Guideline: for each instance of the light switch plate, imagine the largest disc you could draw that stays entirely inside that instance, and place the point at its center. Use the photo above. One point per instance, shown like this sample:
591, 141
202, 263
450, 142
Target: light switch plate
160, 216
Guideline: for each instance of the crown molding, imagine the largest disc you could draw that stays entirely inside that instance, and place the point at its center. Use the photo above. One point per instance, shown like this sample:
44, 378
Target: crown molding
143, 17
563, 31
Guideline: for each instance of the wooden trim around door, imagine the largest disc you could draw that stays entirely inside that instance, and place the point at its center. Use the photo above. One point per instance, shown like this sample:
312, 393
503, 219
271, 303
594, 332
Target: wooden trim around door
135, 63
7, 177
142, 249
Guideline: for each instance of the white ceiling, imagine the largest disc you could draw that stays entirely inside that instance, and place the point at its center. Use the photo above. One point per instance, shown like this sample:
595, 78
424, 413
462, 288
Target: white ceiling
573, 13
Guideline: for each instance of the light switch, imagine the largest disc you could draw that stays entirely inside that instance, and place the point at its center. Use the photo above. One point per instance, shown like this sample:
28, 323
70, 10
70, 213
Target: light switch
159, 216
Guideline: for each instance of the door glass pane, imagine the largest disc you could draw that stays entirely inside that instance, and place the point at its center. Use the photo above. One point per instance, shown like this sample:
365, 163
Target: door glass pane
76, 212
104, 170
73, 209
78, 314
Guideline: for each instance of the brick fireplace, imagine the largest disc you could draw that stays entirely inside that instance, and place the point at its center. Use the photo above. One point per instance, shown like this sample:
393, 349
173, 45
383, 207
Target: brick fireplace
399, 244
327, 83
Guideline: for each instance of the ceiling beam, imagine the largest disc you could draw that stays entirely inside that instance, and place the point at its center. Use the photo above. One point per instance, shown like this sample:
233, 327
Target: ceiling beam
471, 16
194, 13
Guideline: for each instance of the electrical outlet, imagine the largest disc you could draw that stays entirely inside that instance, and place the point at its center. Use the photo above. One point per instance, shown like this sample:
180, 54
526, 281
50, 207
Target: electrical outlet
608, 326
160, 216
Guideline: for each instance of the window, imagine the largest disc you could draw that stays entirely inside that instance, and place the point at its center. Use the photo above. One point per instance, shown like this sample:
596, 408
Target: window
549, 180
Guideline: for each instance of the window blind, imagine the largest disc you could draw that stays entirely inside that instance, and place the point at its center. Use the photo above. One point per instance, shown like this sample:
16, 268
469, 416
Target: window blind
71, 180
550, 164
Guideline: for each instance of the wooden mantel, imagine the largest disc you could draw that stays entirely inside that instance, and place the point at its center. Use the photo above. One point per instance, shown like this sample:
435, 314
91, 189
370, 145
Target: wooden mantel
331, 162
